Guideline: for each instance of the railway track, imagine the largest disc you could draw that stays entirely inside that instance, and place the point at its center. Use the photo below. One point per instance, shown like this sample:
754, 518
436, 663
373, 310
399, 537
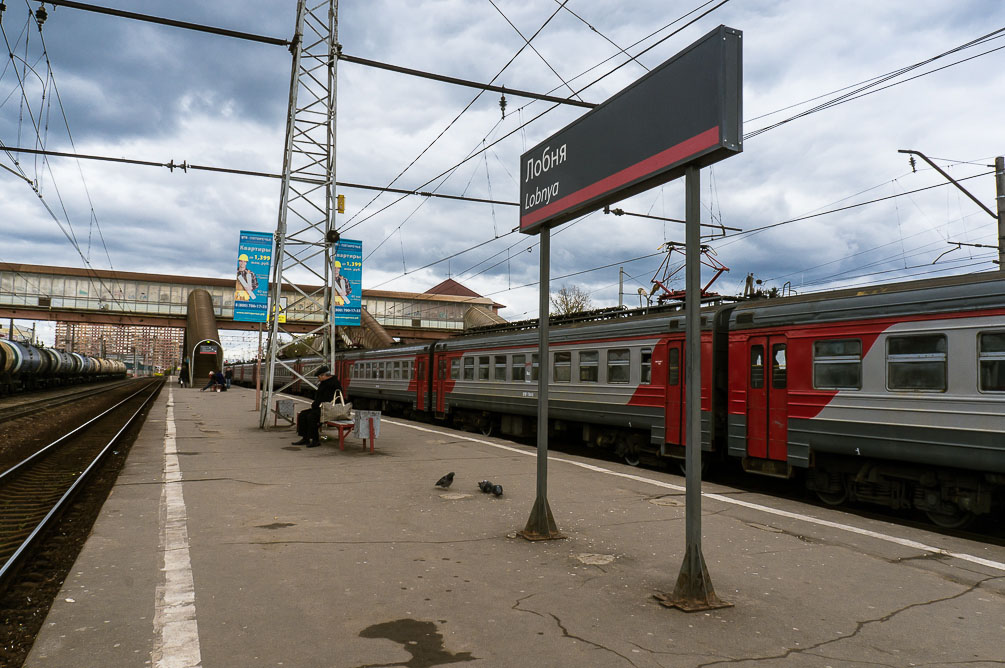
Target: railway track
35, 491
17, 409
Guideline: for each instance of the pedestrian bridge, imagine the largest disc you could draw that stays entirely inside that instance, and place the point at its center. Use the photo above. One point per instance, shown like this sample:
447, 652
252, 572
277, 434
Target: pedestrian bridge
69, 294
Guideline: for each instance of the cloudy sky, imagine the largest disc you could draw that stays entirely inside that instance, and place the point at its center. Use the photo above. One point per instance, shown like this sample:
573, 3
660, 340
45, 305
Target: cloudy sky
148, 92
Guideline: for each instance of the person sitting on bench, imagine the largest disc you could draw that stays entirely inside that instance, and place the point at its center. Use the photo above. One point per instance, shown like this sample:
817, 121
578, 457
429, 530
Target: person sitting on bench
309, 419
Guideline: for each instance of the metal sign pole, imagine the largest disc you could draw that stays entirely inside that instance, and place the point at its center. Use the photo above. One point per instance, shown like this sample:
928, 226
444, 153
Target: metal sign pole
258, 371
541, 523
694, 589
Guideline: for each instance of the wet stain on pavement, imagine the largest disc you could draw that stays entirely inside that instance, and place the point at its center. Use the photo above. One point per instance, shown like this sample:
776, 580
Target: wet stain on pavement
275, 525
188, 453
290, 447
420, 639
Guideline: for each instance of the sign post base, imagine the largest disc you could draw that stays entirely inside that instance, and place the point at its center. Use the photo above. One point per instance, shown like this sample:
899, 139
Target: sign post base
694, 591
541, 523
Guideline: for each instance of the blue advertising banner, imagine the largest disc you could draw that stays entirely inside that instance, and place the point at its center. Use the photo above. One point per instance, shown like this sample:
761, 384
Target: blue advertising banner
254, 261
347, 282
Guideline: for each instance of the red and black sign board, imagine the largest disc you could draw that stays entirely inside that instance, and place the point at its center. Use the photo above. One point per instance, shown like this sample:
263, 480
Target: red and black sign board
687, 111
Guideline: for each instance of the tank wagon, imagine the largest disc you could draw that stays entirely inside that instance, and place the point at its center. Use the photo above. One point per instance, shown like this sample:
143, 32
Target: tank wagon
893, 394
26, 367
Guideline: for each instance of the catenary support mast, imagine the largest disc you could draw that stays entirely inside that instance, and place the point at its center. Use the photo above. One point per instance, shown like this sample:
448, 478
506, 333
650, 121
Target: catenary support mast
306, 238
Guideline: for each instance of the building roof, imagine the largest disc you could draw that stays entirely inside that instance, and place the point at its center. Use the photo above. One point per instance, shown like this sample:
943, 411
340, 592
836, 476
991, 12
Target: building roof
451, 287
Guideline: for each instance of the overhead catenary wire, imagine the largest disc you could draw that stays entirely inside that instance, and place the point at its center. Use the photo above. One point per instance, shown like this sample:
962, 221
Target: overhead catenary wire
186, 166
534, 49
70, 235
349, 222
863, 90
526, 123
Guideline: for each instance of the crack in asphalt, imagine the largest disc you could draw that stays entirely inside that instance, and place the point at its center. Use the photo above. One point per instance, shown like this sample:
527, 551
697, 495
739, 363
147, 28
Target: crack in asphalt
566, 634
859, 627
565, 631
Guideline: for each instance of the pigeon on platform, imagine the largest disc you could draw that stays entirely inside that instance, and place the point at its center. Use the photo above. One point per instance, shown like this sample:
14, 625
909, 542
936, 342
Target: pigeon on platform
485, 486
497, 490
445, 481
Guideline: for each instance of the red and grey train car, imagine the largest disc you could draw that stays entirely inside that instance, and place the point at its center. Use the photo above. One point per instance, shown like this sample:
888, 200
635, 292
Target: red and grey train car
893, 394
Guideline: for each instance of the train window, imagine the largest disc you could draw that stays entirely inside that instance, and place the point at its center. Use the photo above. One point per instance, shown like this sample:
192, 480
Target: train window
916, 362
991, 353
382, 370
646, 362
396, 371
469, 368
519, 369
563, 368
619, 367
500, 368
455, 369
673, 366
837, 364
534, 369
589, 366
778, 366
756, 367
407, 370
483, 367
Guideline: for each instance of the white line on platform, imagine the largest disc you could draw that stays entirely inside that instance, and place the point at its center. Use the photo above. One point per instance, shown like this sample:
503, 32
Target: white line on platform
175, 627
726, 499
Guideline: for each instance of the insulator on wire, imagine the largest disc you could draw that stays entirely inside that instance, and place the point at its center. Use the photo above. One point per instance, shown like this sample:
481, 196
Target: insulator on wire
502, 104
41, 15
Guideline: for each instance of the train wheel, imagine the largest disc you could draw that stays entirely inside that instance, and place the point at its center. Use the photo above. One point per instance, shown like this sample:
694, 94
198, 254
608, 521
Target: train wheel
833, 498
682, 464
956, 519
631, 458
487, 428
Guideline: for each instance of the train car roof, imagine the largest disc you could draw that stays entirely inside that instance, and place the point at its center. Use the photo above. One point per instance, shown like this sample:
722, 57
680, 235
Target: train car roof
394, 351
627, 325
947, 294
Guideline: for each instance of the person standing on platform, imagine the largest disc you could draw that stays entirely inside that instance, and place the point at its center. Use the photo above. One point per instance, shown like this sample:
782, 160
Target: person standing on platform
229, 376
183, 374
309, 419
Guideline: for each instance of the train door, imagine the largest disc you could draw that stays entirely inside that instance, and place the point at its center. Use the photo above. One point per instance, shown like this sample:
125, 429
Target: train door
675, 415
420, 384
767, 398
439, 383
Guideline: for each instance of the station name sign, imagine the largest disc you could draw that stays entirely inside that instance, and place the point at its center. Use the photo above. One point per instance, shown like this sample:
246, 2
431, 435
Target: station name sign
687, 111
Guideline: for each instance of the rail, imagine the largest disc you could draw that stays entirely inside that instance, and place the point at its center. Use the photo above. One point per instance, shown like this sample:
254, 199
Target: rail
35, 491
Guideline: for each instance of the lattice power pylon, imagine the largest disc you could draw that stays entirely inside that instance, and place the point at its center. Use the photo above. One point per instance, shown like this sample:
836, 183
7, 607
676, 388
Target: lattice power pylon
306, 237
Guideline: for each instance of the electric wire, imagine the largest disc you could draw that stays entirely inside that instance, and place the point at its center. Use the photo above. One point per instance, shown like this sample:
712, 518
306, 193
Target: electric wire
525, 124
71, 235
534, 49
608, 39
862, 91
443, 132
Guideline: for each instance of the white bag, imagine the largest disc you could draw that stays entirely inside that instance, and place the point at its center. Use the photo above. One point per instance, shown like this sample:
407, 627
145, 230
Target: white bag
338, 409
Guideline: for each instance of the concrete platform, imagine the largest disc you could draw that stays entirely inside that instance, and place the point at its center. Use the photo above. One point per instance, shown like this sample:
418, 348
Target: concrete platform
223, 545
